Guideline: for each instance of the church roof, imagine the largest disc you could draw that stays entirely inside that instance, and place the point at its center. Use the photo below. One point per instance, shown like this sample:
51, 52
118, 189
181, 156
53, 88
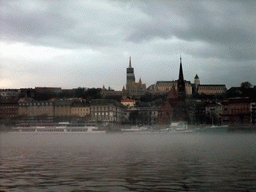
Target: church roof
173, 94
202, 85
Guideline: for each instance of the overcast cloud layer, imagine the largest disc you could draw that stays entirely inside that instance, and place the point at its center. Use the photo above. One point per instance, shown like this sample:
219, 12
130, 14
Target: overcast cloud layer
68, 44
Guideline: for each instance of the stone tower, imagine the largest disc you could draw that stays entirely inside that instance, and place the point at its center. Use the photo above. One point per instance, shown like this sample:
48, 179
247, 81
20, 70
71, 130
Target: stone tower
130, 77
196, 82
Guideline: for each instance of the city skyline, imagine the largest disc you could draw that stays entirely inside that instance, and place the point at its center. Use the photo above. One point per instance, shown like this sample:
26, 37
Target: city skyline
88, 43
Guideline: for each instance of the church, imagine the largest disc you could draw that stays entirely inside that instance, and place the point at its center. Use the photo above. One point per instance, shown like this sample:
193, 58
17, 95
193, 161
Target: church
134, 90
174, 108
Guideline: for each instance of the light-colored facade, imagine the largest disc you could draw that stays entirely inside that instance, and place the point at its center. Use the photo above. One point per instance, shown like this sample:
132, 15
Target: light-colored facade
80, 110
36, 108
208, 89
211, 89
161, 87
128, 102
36, 111
62, 108
104, 110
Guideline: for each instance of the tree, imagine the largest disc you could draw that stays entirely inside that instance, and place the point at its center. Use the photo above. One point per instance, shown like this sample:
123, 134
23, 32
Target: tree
79, 92
246, 85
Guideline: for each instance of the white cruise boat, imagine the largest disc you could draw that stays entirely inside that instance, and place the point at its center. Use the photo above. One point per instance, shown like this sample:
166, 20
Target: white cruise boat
58, 129
135, 129
179, 127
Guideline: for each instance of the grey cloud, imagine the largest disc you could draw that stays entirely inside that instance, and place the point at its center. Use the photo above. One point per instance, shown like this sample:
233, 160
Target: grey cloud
229, 24
154, 33
25, 24
66, 24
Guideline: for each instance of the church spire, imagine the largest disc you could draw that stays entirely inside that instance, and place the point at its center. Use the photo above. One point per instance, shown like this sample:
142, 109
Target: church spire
181, 83
130, 62
181, 77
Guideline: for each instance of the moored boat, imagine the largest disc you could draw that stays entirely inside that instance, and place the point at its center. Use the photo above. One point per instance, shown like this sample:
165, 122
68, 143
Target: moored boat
58, 129
213, 128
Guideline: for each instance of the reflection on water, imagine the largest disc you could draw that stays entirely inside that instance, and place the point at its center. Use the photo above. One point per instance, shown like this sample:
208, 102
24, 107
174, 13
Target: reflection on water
127, 162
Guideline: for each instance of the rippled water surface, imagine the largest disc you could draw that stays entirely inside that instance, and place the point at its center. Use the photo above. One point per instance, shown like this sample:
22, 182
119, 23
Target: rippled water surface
127, 162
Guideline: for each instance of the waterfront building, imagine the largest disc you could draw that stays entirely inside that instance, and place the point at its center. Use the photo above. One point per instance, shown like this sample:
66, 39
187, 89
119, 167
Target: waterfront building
253, 112
236, 111
196, 112
36, 111
213, 113
62, 110
144, 114
107, 111
80, 109
8, 111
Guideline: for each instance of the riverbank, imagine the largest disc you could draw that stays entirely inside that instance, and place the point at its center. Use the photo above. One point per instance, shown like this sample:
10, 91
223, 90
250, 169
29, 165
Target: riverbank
242, 128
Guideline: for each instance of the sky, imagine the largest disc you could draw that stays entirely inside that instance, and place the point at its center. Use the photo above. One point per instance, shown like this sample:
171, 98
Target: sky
87, 43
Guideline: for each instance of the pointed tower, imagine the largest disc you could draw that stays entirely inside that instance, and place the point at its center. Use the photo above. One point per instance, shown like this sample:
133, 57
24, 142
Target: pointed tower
196, 82
181, 83
130, 77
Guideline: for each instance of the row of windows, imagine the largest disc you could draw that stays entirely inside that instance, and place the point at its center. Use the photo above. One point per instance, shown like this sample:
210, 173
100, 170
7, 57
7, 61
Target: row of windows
102, 108
104, 119
80, 109
100, 113
236, 111
211, 88
80, 114
8, 111
23, 104
6, 107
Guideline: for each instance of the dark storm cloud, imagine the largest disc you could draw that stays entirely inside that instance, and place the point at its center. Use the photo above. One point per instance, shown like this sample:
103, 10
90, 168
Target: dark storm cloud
215, 38
65, 24
20, 23
227, 25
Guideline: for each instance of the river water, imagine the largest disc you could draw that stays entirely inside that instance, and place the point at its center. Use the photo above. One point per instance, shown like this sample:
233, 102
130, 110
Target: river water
127, 162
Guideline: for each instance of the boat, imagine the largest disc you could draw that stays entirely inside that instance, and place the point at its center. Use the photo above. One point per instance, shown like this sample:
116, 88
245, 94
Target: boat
178, 127
58, 129
213, 128
135, 129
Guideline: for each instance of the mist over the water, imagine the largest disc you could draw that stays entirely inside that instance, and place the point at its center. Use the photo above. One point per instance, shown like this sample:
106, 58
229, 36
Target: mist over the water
128, 162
